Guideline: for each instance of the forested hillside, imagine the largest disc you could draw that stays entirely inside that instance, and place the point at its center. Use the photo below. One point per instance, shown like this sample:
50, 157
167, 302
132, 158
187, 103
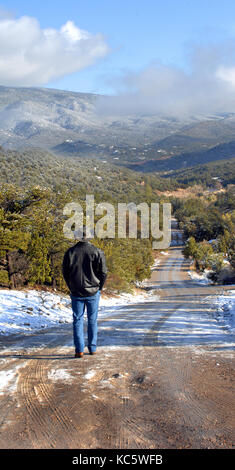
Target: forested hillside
36, 185
209, 230
36, 167
211, 175
32, 242
185, 160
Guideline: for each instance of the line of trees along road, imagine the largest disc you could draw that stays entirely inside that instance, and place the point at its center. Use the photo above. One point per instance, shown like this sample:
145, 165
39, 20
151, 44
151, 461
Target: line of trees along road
209, 231
32, 243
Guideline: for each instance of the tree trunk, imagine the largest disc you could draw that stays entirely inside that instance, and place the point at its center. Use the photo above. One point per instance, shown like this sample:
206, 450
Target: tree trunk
10, 270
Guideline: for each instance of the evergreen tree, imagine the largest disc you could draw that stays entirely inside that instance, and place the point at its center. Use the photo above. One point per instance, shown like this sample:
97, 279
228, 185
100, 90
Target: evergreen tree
190, 249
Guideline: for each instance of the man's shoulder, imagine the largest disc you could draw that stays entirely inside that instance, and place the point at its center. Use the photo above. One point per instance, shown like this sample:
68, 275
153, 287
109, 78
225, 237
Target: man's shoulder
72, 249
87, 247
93, 249
96, 250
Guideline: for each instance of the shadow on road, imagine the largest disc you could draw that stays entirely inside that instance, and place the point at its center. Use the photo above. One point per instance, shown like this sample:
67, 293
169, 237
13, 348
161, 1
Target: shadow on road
179, 316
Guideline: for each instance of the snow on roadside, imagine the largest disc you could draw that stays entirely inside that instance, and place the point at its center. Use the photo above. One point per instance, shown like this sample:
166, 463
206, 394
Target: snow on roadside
225, 312
202, 278
25, 311
8, 379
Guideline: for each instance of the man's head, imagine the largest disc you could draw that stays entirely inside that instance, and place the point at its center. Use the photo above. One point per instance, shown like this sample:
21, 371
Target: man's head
82, 235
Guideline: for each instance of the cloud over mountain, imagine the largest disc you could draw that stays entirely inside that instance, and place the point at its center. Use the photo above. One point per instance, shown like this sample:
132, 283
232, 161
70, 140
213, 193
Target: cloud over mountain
32, 56
204, 84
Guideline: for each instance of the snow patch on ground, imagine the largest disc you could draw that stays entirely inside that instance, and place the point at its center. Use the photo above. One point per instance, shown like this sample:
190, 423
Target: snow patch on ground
90, 375
8, 379
59, 375
201, 278
26, 311
225, 312
29, 310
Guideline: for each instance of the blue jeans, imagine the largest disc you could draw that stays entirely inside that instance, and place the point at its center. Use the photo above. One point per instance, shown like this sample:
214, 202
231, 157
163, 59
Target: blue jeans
78, 306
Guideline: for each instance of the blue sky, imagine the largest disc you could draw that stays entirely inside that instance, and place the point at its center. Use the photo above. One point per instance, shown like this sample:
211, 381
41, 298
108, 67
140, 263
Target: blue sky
157, 53
137, 32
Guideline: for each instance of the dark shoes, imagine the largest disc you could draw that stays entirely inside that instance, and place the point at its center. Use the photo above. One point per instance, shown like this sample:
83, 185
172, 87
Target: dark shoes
79, 354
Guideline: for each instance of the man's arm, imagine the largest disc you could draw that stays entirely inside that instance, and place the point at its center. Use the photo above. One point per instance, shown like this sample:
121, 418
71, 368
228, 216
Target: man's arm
66, 268
103, 270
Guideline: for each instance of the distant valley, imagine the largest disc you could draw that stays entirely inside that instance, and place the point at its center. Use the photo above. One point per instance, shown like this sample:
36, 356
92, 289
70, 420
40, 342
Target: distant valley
73, 124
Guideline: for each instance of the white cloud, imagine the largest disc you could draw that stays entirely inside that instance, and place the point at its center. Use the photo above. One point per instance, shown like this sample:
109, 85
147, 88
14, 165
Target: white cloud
206, 84
73, 33
31, 56
227, 74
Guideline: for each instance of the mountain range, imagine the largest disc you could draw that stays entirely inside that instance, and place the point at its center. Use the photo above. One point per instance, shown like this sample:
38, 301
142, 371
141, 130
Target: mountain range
75, 124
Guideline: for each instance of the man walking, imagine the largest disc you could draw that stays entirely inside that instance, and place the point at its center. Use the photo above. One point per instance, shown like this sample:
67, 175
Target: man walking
85, 272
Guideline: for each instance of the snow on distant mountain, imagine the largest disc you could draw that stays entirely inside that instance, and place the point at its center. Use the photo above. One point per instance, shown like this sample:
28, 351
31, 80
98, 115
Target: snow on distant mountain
68, 123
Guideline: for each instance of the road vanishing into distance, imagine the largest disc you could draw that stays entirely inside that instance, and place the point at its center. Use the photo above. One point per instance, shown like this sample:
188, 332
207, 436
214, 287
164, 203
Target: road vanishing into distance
162, 377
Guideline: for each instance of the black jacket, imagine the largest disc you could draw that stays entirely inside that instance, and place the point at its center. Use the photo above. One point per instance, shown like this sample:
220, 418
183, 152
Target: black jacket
84, 269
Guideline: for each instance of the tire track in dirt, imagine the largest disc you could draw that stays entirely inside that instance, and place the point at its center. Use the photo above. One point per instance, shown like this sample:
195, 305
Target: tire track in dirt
210, 420
37, 429
217, 409
63, 419
177, 381
132, 434
48, 423
10, 369
134, 431
125, 431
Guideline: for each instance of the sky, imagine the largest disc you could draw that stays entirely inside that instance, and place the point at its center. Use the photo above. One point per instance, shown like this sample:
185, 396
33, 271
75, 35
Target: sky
148, 55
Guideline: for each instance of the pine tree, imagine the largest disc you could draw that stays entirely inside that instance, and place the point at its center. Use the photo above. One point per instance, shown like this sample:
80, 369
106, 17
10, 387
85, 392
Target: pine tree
39, 263
190, 248
14, 238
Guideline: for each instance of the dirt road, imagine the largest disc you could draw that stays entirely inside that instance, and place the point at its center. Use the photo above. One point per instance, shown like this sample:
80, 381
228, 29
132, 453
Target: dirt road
162, 378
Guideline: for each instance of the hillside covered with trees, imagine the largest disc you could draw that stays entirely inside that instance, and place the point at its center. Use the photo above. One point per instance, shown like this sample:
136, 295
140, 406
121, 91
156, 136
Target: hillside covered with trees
36, 185
32, 242
36, 167
208, 224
